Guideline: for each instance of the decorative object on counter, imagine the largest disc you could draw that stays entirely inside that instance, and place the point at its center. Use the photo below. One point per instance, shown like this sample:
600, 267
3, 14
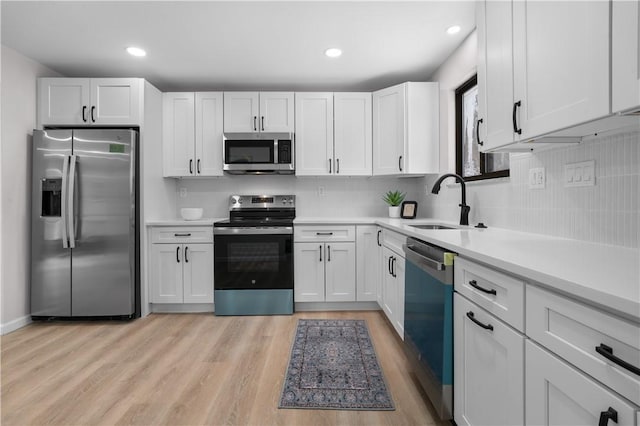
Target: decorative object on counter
333, 365
464, 208
191, 213
481, 225
394, 199
409, 209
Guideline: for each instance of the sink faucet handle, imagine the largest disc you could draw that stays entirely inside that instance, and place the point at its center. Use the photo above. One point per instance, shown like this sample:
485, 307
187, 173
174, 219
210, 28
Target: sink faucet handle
464, 214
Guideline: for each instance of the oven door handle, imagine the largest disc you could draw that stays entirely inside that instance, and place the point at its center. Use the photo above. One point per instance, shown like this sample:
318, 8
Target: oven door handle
285, 230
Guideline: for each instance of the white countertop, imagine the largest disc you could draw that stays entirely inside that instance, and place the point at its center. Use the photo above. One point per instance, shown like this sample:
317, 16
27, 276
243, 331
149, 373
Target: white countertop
603, 275
181, 222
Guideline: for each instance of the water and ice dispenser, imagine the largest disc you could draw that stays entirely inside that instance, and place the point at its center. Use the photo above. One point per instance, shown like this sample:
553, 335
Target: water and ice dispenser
51, 197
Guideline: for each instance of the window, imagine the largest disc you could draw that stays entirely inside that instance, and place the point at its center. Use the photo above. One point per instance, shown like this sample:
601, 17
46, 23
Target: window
471, 164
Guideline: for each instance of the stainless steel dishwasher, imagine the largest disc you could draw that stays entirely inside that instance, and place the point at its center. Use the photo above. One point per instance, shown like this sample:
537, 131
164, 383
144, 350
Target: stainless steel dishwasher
428, 320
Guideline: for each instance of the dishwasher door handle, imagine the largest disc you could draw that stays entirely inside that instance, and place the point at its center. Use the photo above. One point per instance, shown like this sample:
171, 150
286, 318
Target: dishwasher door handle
421, 260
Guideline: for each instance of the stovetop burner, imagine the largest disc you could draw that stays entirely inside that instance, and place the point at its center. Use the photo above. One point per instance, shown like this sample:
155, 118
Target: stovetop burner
260, 211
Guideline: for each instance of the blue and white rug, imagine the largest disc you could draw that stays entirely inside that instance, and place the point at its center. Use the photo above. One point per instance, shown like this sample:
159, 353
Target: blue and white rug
333, 366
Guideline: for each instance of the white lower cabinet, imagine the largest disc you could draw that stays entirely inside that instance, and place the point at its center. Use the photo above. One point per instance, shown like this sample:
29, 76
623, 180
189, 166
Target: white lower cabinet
559, 394
368, 248
393, 289
180, 270
489, 368
325, 264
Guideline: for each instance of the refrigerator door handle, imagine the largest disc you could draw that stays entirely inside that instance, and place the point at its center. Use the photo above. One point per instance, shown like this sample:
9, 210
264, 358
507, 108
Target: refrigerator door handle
63, 207
71, 213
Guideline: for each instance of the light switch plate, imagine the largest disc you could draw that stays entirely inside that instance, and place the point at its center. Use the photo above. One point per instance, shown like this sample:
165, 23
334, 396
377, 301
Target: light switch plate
580, 174
537, 178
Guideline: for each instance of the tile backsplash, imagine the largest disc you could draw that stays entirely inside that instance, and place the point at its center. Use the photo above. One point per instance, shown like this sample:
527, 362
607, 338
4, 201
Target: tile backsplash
607, 213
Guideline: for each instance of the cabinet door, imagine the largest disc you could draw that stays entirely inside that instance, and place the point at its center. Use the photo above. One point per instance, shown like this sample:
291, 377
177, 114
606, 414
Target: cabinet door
116, 101
309, 272
367, 262
379, 267
314, 134
241, 112
340, 272
495, 72
389, 290
353, 140
208, 133
398, 270
276, 112
63, 101
558, 394
178, 131
625, 52
388, 130
561, 63
198, 273
165, 271
489, 366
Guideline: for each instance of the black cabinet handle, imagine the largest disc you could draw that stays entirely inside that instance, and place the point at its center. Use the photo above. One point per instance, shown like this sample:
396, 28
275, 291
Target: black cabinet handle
84, 111
178, 254
329, 165
389, 265
606, 415
191, 166
474, 284
93, 109
400, 163
607, 352
337, 165
478, 132
473, 318
262, 122
182, 235
198, 167
324, 233
320, 252
254, 123
513, 117
393, 267
186, 255
378, 237
328, 253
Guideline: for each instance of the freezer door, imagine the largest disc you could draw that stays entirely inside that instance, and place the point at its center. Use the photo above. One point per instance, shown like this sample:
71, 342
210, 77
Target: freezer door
103, 216
50, 255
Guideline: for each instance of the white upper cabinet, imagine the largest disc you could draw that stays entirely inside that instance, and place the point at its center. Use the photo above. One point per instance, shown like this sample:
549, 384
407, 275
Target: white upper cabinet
314, 134
254, 112
542, 67
405, 129
625, 51
333, 134
192, 134
86, 102
352, 134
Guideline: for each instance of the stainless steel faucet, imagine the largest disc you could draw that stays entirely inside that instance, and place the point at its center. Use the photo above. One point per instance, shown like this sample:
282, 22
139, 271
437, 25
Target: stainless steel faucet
464, 208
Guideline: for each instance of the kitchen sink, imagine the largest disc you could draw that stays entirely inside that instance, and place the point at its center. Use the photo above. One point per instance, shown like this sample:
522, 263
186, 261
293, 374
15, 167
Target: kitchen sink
433, 226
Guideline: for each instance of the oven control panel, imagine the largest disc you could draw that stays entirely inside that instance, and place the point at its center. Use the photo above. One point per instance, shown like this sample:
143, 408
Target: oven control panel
244, 202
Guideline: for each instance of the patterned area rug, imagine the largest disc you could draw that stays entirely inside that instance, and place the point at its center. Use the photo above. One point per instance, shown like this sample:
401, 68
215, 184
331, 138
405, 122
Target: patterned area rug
333, 366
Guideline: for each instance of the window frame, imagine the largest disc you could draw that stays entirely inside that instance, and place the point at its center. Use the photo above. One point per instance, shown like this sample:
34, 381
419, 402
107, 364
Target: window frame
459, 93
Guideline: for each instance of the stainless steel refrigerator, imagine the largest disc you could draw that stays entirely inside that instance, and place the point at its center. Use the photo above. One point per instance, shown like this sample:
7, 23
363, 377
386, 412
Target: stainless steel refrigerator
84, 255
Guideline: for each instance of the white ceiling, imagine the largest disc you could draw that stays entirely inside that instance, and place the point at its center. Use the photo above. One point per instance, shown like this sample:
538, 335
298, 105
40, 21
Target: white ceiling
240, 45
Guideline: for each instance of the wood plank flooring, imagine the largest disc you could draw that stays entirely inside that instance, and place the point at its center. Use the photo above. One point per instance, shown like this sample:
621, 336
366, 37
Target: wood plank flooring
181, 369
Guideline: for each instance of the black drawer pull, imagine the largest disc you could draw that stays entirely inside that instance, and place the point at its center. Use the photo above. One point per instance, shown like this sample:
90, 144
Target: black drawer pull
473, 318
606, 415
474, 284
324, 233
607, 352
182, 235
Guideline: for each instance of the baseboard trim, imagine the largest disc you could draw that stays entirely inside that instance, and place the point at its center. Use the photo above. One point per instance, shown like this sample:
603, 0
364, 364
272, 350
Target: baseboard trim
336, 306
169, 308
15, 324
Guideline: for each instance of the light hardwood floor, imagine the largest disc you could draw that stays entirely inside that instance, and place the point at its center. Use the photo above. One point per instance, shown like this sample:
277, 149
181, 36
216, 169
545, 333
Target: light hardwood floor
181, 369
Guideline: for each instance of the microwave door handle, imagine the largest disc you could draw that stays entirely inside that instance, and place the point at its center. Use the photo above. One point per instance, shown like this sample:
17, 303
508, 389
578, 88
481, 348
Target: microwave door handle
63, 207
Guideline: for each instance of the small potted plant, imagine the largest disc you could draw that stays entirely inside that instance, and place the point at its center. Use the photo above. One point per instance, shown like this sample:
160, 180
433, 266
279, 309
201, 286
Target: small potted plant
394, 199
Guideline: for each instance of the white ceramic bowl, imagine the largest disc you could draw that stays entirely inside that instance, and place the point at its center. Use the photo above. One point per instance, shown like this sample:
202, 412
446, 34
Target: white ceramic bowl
191, 213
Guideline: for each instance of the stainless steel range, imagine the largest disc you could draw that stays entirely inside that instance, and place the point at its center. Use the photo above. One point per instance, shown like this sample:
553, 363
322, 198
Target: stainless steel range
253, 256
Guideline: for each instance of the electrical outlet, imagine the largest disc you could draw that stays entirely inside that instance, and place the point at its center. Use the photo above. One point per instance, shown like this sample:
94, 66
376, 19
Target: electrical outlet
580, 174
537, 178
320, 191
183, 192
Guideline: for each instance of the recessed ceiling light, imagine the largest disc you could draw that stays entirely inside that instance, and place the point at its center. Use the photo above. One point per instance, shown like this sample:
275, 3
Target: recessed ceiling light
333, 52
455, 29
136, 51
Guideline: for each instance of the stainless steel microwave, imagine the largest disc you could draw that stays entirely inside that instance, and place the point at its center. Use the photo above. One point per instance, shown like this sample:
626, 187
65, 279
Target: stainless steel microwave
259, 153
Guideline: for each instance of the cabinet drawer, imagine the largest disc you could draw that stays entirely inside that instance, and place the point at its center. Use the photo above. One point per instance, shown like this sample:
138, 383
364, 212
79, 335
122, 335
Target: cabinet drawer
394, 241
574, 331
182, 234
498, 293
556, 393
324, 233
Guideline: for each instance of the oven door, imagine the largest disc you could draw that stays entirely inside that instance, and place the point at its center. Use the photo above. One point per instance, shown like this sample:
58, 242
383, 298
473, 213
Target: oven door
253, 259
